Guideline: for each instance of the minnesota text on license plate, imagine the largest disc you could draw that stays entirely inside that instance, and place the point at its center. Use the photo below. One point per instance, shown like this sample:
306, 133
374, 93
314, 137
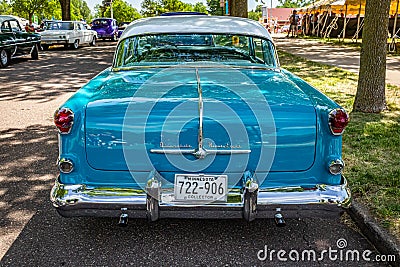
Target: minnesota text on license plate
199, 187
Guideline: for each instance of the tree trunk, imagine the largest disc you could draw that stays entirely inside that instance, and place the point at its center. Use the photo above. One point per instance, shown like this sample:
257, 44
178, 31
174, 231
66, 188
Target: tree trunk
370, 96
238, 8
65, 9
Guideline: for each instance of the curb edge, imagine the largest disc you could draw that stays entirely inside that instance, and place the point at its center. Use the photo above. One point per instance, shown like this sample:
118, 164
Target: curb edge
383, 242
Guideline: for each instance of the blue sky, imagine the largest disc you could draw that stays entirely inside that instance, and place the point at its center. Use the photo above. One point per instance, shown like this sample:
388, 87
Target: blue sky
137, 3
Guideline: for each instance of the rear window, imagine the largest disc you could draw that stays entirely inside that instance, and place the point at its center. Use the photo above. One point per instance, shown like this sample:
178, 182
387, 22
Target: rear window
101, 22
170, 49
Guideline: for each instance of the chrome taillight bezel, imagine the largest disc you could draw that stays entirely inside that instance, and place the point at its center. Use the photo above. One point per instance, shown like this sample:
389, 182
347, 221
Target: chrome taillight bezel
336, 162
332, 115
67, 162
64, 109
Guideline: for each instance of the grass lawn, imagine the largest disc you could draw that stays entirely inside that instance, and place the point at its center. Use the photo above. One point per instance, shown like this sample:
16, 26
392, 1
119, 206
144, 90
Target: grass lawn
371, 142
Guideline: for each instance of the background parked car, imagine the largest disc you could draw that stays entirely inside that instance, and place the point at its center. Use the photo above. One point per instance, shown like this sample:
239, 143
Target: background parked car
105, 28
121, 28
285, 28
15, 42
67, 33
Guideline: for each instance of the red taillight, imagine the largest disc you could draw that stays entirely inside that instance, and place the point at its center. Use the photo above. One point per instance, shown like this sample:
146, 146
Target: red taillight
338, 120
64, 118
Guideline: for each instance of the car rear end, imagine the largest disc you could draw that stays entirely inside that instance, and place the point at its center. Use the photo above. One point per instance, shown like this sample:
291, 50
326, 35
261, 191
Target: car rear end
199, 140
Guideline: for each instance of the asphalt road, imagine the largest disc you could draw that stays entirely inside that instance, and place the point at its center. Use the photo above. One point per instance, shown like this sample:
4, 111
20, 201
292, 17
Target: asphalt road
33, 234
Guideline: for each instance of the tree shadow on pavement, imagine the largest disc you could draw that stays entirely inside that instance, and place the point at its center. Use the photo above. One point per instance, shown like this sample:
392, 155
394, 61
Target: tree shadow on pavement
23, 80
46, 239
27, 170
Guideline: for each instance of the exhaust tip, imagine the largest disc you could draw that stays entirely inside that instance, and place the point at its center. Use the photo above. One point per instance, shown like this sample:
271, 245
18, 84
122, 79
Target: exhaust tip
123, 219
279, 220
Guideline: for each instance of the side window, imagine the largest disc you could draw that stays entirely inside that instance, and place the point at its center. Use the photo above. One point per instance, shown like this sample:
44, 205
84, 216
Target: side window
15, 26
264, 51
258, 49
81, 27
5, 27
269, 53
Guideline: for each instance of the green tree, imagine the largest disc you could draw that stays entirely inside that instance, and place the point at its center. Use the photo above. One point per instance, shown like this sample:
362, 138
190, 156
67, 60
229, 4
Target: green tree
122, 11
26, 8
214, 8
156, 7
254, 15
151, 8
294, 3
370, 96
200, 7
52, 10
80, 10
5, 7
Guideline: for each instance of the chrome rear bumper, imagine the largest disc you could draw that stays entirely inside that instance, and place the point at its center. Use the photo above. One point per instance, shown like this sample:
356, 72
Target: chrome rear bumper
154, 202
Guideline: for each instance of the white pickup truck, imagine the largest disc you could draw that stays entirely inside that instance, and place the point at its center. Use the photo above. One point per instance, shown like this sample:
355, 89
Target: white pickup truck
67, 33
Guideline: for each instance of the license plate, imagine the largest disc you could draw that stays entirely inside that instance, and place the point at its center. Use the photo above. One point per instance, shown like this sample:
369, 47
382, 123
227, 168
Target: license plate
200, 188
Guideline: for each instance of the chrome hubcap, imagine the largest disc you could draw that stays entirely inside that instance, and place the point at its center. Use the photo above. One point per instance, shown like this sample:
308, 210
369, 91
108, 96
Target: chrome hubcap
4, 57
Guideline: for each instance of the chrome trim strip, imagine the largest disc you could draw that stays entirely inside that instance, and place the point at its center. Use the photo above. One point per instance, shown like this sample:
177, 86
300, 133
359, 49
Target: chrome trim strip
82, 200
194, 151
185, 66
200, 153
173, 151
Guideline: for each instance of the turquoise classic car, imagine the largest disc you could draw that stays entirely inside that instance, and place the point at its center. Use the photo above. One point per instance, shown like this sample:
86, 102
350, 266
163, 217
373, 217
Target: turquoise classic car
196, 119
15, 42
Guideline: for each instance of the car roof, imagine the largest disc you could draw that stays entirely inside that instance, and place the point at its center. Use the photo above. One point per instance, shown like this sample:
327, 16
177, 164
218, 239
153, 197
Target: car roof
196, 24
103, 19
6, 17
180, 13
66, 21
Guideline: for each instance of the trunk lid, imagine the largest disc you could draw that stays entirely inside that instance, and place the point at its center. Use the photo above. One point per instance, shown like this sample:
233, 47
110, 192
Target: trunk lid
265, 114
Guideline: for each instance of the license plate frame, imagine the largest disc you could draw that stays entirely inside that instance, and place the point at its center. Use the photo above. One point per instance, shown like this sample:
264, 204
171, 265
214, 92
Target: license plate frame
195, 189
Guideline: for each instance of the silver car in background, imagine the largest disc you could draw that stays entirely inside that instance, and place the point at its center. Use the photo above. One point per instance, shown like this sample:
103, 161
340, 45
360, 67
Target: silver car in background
68, 33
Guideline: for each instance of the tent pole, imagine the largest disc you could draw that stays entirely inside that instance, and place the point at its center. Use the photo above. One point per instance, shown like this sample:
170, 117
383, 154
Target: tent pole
345, 23
325, 21
313, 19
358, 21
319, 20
307, 23
395, 19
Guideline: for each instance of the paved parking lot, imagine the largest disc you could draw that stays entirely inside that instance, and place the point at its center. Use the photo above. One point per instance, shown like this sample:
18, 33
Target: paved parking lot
33, 234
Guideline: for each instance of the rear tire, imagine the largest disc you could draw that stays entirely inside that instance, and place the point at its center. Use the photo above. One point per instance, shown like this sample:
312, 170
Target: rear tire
35, 52
75, 45
93, 42
114, 37
45, 47
392, 47
4, 58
